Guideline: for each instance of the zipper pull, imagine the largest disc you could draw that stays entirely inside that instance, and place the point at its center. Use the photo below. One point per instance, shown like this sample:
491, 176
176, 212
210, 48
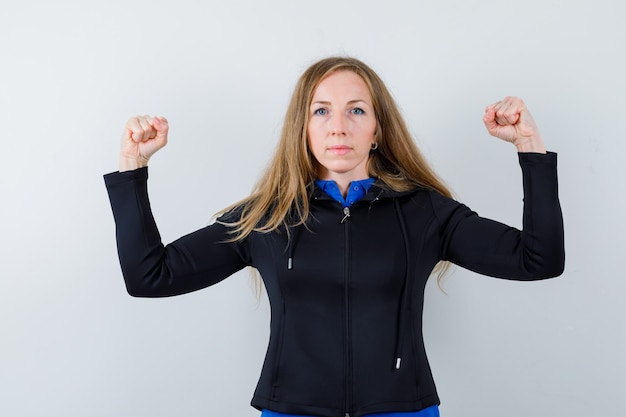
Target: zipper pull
346, 214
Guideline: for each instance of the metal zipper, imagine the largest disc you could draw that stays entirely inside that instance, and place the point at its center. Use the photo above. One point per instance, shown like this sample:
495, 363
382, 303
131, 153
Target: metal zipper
348, 370
346, 214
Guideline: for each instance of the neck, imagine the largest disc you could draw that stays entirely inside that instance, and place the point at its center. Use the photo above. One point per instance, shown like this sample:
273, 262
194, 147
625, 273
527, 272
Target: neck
343, 179
343, 186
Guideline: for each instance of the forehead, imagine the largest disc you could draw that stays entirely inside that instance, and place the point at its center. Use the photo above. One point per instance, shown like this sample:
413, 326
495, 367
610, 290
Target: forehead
342, 84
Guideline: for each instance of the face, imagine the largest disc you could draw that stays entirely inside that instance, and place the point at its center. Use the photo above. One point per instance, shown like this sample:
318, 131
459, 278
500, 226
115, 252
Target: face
342, 125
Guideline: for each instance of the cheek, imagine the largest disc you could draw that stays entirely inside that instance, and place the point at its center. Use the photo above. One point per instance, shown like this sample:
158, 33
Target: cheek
312, 143
374, 127
370, 132
314, 128
315, 136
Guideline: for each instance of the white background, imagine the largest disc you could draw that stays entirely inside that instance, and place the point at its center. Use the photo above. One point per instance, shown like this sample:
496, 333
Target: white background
73, 343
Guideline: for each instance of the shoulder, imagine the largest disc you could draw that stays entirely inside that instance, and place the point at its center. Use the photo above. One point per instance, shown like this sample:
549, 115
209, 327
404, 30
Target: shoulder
418, 196
428, 202
230, 215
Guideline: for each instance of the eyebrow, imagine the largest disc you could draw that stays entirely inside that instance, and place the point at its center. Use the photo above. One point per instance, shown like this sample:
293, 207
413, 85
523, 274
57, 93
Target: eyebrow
326, 103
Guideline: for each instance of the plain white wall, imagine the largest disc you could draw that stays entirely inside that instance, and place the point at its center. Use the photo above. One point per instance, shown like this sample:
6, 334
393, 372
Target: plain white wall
73, 343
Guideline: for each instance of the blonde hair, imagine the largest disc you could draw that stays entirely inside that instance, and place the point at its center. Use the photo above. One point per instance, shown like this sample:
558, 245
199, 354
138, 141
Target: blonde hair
281, 197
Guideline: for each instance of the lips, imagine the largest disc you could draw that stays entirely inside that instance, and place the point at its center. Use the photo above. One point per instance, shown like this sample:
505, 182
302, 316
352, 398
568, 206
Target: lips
339, 149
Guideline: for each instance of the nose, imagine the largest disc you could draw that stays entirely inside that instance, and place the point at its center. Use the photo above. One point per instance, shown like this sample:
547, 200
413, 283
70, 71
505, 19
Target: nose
338, 125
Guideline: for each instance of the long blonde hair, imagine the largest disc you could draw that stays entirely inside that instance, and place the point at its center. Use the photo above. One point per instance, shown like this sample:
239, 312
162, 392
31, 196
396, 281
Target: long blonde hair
281, 197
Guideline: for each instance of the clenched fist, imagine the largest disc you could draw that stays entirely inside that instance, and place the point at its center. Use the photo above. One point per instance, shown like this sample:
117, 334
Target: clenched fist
143, 136
510, 120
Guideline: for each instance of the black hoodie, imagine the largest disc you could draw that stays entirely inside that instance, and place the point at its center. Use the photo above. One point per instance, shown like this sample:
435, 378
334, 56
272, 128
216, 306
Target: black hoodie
346, 291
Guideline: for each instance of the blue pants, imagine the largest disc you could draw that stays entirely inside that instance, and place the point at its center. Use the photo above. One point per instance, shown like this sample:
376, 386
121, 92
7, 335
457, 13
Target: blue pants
432, 411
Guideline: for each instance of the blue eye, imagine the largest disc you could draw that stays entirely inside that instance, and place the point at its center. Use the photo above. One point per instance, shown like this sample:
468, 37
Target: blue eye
358, 111
320, 112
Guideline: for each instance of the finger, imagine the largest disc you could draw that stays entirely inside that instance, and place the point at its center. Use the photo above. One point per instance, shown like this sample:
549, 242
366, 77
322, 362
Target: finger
507, 111
498, 108
501, 109
148, 132
515, 109
489, 116
134, 130
489, 119
511, 117
161, 127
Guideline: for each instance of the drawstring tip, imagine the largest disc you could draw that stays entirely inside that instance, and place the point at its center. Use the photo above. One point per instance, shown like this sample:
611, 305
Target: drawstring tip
398, 363
290, 263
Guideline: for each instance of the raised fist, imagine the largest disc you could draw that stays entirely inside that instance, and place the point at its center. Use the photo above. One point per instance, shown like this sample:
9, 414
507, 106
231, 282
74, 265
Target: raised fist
510, 120
143, 136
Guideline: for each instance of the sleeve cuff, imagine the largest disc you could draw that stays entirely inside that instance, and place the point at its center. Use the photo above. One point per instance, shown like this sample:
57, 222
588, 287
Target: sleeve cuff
117, 177
549, 158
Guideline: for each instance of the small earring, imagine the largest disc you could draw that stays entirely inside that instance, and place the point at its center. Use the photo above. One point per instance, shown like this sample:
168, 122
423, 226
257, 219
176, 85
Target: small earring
374, 146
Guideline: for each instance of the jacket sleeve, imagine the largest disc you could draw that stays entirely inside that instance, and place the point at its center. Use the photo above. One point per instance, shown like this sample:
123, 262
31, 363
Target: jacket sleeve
492, 248
151, 269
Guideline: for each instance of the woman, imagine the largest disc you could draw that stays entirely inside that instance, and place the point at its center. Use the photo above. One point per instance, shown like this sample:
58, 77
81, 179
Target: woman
345, 228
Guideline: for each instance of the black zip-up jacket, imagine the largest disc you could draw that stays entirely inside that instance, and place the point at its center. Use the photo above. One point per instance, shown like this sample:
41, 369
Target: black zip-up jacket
346, 293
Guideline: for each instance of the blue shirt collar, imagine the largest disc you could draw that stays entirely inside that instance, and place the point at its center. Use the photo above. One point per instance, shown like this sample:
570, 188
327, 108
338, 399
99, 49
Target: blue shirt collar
356, 190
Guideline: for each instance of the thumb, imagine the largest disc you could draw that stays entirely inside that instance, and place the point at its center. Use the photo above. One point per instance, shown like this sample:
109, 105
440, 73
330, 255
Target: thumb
162, 127
489, 119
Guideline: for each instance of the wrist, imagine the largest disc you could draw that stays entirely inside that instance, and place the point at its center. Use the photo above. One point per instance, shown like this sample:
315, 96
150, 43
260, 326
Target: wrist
534, 144
129, 163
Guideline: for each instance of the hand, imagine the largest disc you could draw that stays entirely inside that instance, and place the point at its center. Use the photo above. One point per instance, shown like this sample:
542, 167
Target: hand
510, 120
143, 136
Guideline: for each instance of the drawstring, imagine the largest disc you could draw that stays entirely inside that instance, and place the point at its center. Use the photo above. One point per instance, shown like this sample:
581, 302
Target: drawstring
291, 245
405, 296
